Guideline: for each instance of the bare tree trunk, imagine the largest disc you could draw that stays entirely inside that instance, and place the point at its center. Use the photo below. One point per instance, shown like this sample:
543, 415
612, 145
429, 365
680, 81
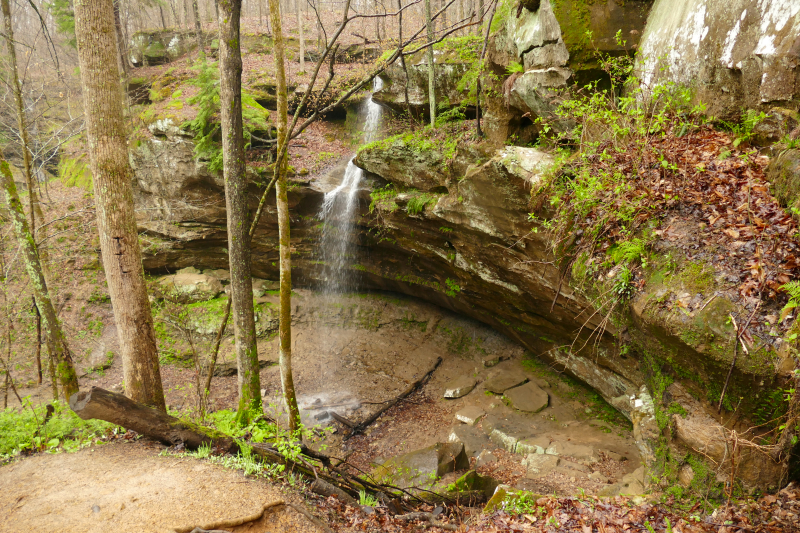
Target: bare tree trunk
198, 29
244, 328
163, 20
185, 14
20, 111
431, 66
478, 80
113, 192
300, 33
281, 198
56, 343
38, 342
125, 63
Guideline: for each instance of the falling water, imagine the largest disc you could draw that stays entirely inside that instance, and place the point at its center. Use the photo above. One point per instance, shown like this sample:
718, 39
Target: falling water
338, 207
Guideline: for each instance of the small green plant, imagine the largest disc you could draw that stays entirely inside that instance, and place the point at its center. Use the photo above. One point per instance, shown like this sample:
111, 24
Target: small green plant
792, 288
367, 499
629, 251
453, 287
515, 67
418, 203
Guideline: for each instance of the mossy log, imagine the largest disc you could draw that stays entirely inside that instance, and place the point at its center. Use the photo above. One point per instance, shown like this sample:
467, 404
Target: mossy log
158, 425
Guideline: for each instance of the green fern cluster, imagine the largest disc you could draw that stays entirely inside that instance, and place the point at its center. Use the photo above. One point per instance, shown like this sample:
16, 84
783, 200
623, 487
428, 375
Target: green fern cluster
627, 251
793, 290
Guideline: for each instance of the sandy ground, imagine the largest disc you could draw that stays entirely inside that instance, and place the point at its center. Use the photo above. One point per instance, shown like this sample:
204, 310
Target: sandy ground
129, 487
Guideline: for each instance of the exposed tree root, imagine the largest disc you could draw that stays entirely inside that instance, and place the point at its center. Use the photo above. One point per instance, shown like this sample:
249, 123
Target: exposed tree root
217, 525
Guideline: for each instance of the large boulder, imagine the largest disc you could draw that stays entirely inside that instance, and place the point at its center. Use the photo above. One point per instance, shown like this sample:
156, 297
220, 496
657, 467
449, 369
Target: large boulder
423, 467
190, 287
156, 47
733, 53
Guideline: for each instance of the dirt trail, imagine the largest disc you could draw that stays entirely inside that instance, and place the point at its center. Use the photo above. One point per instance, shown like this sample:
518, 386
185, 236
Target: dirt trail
128, 487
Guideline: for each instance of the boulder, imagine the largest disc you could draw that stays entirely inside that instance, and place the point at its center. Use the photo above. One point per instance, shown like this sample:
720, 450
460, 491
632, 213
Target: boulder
734, 54
539, 465
783, 173
472, 438
528, 397
190, 288
578, 451
423, 467
472, 481
504, 380
470, 414
461, 386
156, 47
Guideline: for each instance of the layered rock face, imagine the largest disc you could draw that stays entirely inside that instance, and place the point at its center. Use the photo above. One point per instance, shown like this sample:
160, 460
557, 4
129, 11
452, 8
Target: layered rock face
473, 249
735, 53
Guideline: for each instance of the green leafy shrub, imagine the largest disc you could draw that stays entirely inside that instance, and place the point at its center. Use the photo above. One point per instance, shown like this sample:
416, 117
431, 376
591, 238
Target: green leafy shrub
23, 430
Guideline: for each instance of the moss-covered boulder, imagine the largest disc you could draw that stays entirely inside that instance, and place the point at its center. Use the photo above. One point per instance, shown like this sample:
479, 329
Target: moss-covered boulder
156, 47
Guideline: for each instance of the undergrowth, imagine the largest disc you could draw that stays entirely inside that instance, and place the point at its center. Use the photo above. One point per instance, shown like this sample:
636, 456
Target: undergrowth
28, 430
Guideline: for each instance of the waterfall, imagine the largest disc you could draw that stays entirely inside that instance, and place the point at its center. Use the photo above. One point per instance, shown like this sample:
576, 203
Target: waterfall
338, 208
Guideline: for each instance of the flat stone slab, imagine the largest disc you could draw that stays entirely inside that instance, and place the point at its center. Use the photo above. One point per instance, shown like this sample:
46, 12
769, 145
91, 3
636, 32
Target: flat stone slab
578, 451
470, 415
539, 465
472, 438
504, 380
507, 433
528, 397
461, 386
540, 445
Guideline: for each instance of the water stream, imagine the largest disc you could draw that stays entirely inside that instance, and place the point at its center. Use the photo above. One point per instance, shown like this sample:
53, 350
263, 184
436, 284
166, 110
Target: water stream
338, 209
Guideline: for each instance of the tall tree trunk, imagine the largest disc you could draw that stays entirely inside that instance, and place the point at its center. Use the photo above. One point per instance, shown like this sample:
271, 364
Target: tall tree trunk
19, 107
233, 167
113, 194
282, 200
431, 64
38, 357
163, 20
56, 343
125, 62
301, 36
198, 29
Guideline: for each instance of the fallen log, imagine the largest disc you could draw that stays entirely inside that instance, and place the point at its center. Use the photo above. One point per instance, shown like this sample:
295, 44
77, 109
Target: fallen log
361, 426
122, 411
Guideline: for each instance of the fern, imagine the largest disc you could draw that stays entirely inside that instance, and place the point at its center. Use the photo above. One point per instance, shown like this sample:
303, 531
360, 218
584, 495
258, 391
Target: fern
627, 251
515, 67
793, 290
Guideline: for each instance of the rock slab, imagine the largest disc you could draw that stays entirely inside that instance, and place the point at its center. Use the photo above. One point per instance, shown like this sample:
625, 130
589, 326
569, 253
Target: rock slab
528, 397
504, 380
470, 415
461, 386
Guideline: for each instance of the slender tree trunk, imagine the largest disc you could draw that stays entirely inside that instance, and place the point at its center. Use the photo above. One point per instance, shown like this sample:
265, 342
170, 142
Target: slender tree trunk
56, 343
281, 198
113, 194
431, 64
481, 9
198, 29
302, 39
125, 63
38, 342
244, 328
478, 80
185, 14
163, 20
20, 111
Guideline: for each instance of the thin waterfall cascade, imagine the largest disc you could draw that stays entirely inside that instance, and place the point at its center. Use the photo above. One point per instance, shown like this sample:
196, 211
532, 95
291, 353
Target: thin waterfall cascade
338, 208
